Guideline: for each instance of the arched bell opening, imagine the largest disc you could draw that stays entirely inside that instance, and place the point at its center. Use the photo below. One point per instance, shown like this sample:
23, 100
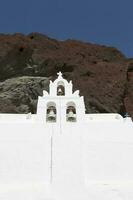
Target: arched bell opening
71, 112
60, 89
51, 112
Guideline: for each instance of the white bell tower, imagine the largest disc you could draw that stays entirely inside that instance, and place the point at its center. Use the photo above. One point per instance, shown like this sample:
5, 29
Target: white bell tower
61, 104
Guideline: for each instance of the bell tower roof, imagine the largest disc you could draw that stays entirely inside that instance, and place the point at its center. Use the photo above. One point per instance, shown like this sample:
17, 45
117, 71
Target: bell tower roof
60, 84
67, 103
60, 78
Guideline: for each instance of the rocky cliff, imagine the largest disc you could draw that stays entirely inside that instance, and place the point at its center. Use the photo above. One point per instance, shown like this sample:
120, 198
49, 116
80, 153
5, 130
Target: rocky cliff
27, 62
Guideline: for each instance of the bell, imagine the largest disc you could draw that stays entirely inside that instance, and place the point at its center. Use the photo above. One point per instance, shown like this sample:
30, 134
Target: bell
71, 116
51, 116
60, 91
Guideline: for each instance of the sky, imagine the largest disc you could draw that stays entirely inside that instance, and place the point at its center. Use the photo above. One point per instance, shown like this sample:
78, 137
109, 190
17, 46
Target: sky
105, 22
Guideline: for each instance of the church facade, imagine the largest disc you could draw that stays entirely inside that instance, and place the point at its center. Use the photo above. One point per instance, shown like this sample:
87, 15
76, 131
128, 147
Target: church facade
60, 151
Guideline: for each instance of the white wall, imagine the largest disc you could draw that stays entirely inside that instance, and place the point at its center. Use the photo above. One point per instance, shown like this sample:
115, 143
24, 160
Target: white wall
24, 153
80, 153
108, 150
25, 150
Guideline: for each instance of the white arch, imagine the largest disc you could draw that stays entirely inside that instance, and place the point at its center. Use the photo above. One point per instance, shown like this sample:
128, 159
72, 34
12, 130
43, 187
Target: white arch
66, 86
71, 112
60, 86
51, 103
51, 112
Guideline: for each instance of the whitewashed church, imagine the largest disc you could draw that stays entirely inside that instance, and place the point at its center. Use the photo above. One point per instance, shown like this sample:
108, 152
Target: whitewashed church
61, 153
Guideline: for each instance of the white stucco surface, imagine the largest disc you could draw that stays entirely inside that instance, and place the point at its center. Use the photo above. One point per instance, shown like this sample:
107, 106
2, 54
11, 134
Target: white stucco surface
91, 158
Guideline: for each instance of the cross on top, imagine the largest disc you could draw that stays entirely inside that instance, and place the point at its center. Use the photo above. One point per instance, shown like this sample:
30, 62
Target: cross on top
59, 74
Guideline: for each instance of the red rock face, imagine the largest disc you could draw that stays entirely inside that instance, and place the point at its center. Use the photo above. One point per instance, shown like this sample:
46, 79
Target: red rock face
103, 74
128, 100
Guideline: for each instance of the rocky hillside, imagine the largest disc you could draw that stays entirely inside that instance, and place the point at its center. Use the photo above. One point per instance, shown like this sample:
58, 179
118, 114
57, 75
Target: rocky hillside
103, 74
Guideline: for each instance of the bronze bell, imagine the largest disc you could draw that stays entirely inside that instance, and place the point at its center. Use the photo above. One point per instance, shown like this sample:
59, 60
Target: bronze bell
51, 116
60, 92
71, 116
